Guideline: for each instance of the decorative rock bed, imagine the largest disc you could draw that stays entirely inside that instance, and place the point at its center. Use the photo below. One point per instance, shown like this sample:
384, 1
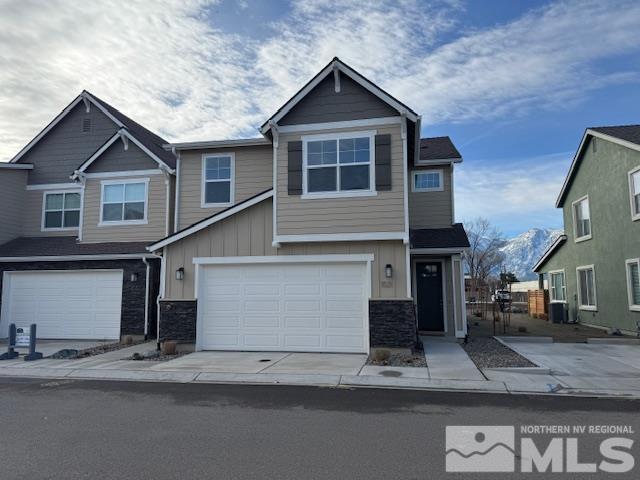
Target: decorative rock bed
487, 352
392, 359
70, 353
155, 356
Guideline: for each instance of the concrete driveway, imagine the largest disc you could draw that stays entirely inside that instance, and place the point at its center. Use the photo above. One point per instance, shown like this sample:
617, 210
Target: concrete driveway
268, 362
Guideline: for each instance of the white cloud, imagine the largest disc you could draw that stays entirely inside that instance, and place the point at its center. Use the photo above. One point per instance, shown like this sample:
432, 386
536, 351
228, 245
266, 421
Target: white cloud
168, 65
515, 194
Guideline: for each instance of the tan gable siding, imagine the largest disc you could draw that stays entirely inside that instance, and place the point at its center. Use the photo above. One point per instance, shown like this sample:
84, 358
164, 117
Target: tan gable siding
431, 209
65, 147
32, 223
383, 212
117, 159
253, 174
324, 104
250, 233
156, 214
12, 193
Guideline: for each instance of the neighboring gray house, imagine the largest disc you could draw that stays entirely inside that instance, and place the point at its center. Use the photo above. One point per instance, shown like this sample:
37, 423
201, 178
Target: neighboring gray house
333, 232
593, 269
79, 205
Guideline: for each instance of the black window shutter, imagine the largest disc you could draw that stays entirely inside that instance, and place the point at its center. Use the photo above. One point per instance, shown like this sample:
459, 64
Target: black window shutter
294, 168
383, 162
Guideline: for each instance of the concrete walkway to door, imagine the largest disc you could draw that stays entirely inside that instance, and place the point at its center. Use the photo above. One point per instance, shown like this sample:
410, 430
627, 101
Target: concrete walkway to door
446, 359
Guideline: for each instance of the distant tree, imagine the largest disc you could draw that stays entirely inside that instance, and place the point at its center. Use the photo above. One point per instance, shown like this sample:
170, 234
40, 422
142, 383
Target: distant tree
483, 257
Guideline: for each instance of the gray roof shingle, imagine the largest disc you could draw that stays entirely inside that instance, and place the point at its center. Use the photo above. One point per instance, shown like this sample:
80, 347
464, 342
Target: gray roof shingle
448, 237
630, 133
438, 148
66, 246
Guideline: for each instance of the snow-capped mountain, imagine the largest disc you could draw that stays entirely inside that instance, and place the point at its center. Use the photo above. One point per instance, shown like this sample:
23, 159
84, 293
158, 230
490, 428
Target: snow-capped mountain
522, 252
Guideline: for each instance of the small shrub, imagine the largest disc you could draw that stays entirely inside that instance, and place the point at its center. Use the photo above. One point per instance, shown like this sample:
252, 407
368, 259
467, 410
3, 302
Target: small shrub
381, 355
127, 340
522, 329
169, 347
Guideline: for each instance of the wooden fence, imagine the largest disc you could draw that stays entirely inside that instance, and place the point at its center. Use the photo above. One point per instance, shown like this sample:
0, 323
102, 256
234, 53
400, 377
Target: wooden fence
539, 304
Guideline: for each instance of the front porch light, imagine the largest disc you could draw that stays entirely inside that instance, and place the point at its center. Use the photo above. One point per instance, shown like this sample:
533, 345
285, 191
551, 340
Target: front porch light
180, 274
134, 277
388, 270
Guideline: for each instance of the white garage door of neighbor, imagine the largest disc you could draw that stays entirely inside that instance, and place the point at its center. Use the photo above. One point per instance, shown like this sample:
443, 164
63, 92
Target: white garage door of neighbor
64, 305
306, 307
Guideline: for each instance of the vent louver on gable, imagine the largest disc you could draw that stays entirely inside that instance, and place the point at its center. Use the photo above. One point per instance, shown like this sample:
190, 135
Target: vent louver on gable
86, 125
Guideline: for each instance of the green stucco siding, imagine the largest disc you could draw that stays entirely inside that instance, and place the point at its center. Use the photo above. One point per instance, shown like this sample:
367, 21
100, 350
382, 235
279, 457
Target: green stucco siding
603, 175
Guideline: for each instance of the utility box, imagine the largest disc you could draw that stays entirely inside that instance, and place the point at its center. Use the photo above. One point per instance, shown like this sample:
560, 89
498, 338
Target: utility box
558, 312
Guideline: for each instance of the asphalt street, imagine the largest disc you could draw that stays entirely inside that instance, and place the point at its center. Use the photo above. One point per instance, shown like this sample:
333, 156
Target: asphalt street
70, 429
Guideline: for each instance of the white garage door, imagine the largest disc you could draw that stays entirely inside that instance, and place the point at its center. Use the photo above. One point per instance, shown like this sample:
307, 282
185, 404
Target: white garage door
70, 304
307, 307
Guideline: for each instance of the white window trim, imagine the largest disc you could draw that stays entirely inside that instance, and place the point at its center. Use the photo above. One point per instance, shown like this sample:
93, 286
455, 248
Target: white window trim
632, 306
634, 215
564, 285
347, 193
415, 173
44, 204
204, 181
575, 220
113, 223
594, 307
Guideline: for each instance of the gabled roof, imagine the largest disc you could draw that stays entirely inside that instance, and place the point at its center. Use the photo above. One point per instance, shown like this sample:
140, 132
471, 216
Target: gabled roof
216, 217
624, 135
151, 141
549, 252
338, 65
438, 148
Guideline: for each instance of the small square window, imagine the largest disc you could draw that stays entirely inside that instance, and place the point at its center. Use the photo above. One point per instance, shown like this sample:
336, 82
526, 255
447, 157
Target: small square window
124, 202
61, 210
427, 181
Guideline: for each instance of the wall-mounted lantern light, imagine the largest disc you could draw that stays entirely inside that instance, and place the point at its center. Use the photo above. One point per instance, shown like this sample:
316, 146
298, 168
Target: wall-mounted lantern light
388, 270
180, 274
134, 277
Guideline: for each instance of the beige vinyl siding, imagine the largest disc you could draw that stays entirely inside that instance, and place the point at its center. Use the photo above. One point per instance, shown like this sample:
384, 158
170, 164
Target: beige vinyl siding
12, 204
156, 214
250, 233
32, 223
117, 159
253, 174
383, 212
324, 104
431, 209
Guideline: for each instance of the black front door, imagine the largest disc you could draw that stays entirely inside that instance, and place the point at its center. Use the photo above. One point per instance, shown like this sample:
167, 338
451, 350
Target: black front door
429, 293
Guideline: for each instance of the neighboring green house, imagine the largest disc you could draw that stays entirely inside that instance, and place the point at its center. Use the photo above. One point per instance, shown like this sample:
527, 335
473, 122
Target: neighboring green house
593, 269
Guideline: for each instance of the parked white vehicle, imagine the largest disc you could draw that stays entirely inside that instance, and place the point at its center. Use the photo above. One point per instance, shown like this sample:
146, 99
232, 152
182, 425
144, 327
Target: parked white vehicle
501, 296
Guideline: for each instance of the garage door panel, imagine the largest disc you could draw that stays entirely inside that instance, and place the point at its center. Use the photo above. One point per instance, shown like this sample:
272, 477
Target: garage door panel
79, 304
295, 307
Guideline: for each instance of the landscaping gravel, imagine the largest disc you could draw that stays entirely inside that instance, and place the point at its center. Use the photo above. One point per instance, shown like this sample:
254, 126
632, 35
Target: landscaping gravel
487, 352
415, 359
154, 356
69, 353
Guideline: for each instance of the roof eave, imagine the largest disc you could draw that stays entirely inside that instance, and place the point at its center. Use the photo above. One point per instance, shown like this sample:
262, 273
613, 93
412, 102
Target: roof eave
549, 252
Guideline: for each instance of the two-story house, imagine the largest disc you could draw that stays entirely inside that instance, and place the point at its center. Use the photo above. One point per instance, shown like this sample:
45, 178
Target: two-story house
78, 206
593, 268
333, 232
328, 234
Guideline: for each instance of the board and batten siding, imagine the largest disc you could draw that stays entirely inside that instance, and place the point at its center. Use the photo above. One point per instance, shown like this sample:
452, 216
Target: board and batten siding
154, 229
33, 207
63, 149
250, 233
383, 212
117, 159
324, 104
253, 174
431, 209
12, 196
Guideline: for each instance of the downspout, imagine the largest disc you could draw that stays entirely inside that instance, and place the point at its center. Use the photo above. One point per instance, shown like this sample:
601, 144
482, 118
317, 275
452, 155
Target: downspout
146, 298
176, 202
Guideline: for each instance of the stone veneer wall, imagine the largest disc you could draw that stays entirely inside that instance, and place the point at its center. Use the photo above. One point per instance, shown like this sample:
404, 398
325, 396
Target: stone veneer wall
132, 316
178, 320
392, 324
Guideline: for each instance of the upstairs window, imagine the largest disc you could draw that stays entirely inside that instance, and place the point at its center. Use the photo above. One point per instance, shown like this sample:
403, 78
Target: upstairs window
557, 286
427, 181
61, 210
634, 192
633, 283
582, 219
342, 164
217, 180
124, 202
586, 288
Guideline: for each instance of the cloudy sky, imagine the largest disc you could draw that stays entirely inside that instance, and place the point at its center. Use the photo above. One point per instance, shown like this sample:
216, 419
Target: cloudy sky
513, 83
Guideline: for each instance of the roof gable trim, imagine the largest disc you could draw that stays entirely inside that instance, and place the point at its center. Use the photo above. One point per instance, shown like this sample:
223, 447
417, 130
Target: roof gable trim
552, 248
